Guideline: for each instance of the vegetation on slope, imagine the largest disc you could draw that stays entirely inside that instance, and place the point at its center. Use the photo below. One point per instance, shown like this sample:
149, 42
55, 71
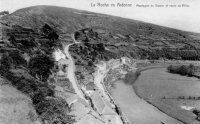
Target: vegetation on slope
104, 37
98, 44
26, 60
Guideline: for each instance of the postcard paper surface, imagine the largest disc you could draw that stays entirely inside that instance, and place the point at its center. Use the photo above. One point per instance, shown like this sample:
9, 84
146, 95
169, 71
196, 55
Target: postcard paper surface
99, 62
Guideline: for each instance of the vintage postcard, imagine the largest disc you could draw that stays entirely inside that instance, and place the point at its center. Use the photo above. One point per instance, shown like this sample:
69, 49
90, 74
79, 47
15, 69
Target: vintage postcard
99, 62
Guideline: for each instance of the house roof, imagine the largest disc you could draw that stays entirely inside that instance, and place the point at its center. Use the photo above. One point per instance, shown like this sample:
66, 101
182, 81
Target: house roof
72, 99
101, 105
82, 101
79, 110
63, 61
60, 73
90, 86
108, 111
58, 88
89, 119
97, 101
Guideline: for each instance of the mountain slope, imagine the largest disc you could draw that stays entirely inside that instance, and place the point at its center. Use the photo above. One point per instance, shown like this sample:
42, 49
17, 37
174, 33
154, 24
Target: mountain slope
102, 36
16, 108
118, 35
68, 20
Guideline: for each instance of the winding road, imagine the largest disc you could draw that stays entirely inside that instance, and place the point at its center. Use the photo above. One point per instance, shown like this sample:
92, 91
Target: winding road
71, 72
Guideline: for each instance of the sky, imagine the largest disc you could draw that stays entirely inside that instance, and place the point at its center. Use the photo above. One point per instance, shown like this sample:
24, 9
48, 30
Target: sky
184, 18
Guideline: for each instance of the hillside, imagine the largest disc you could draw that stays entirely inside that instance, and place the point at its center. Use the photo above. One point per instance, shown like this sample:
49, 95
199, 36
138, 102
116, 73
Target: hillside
131, 37
16, 108
67, 20
118, 35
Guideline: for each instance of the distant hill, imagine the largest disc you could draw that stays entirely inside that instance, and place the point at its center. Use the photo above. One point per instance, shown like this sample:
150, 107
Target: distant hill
67, 20
118, 35
115, 36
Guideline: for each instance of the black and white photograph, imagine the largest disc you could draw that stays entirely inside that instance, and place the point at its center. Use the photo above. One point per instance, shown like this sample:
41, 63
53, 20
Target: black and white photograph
99, 61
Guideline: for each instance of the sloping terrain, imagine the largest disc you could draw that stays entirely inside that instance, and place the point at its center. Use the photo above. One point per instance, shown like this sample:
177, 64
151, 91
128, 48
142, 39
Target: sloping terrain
26, 60
16, 108
114, 36
68, 20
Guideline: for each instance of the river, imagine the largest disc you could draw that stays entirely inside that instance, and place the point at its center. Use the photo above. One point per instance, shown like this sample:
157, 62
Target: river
137, 110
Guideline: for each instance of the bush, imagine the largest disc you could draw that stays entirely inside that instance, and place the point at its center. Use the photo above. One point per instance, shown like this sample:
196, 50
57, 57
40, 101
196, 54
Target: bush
5, 63
41, 66
196, 112
54, 111
4, 12
187, 70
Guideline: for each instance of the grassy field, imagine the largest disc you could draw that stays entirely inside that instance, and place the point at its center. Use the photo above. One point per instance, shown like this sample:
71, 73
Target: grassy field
158, 83
15, 107
164, 90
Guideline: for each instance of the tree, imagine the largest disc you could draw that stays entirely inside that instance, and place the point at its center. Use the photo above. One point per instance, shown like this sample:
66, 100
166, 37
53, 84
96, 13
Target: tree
191, 70
40, 66
4, 12
17, 58
51, 34
54, 111
5, 63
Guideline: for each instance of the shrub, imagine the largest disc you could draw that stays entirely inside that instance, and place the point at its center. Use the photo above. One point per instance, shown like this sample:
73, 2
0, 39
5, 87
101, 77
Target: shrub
54, 111
5, 63
40, 65
187, 70
196, 112
17, 58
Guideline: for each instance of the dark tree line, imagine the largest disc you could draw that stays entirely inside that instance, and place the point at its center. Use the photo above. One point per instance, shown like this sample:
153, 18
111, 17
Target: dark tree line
170, 54
186, 70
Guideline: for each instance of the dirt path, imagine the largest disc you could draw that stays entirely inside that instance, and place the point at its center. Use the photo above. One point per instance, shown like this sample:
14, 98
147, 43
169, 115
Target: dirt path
70, 73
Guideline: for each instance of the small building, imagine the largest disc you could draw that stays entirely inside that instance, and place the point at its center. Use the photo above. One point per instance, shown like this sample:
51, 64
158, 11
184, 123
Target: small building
60, 73
90, 119
63, 81
89, 88
113, 62
58, 54
83, 112
63, 64
63, 61
74, 98
101, 65
59, 92
104, 108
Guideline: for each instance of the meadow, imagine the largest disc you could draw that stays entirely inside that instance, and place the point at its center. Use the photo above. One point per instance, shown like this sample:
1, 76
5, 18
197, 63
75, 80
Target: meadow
169, 92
